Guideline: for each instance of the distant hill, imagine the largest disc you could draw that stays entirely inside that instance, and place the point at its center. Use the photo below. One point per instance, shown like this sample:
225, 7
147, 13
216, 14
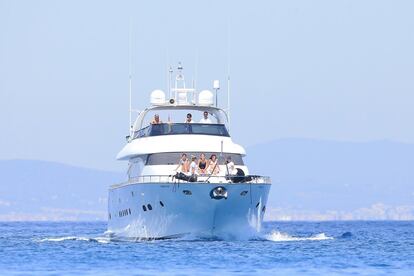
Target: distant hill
356, 180
312, 180
38, 190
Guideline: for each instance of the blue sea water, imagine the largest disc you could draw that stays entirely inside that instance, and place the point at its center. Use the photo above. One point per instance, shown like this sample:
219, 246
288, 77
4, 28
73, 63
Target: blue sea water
284, 248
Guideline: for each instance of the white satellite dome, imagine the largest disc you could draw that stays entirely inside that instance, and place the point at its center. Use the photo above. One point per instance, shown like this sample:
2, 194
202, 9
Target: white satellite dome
157, 97
206, 97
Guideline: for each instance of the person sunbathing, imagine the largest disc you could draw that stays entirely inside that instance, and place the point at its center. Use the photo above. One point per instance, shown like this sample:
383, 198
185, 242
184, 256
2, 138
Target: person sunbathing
183, 165
213, 167
202, 164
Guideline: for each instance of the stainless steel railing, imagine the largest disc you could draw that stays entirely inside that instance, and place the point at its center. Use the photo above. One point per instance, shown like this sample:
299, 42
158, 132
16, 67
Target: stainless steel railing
157, 179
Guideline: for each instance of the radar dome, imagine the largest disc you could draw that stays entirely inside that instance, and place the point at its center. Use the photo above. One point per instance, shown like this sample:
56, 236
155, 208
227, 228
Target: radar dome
205, 97
157, 97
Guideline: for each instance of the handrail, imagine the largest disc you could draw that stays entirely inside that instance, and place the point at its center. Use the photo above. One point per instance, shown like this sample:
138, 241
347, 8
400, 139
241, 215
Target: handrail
201, 179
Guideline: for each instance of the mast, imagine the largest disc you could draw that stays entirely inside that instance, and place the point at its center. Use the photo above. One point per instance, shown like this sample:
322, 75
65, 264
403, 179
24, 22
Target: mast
130, 103
170, 71
130, 75
228, 99
228, 72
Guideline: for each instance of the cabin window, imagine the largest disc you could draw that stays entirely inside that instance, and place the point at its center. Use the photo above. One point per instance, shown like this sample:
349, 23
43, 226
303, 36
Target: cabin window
182, 128
171, 158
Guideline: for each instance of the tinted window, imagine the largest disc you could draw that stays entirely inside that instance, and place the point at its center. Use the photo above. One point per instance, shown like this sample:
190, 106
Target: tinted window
171, 129
209, 129
172, 158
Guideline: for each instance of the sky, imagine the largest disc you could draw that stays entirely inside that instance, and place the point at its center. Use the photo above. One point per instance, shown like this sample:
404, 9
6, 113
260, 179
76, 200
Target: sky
331, 70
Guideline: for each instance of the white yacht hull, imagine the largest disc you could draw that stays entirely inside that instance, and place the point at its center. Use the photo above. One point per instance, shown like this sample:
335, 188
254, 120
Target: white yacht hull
176, 209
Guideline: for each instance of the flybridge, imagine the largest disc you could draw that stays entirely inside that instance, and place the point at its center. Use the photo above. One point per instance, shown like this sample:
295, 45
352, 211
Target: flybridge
220, 115
181, 97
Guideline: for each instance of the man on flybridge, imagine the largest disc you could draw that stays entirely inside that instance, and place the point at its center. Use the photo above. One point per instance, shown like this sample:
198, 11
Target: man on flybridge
206, 119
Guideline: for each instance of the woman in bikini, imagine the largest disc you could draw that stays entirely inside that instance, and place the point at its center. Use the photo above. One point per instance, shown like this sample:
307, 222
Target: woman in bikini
202, 164
213, 167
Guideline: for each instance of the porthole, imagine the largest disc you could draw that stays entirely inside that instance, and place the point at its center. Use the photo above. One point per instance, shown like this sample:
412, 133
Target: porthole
162, 204
264, 208
129, 210
187, 192
243, 193
144, 208
257, 205
149, 207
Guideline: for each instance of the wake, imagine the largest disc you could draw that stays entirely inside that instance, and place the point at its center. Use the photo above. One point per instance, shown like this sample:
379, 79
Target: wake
273, 236
277, 236
74, 238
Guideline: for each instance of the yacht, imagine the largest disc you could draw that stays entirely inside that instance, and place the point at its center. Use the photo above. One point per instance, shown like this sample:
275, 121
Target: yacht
165, 195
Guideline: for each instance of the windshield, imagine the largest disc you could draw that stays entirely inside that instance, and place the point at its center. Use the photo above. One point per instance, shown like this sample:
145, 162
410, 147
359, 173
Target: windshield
171, 129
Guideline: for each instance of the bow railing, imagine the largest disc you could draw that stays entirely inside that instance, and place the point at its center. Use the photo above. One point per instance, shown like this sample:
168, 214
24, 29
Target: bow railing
198, 179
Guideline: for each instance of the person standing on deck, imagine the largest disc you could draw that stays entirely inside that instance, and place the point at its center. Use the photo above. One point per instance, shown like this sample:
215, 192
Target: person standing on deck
189, 119
205, 119
156, 120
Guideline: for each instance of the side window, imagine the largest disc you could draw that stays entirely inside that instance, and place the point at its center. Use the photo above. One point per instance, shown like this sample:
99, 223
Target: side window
135, 167
163, 158
171, 158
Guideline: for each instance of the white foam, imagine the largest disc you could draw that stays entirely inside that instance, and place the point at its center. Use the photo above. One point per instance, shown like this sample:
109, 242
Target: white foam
277, 236
73, 238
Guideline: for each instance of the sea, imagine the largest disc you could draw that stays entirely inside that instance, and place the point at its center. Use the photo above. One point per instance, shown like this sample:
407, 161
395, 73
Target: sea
282, 248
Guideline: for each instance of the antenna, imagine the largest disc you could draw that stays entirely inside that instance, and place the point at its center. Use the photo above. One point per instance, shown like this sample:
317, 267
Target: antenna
194, 93
216, 86
228, 71
130, 103
228, 98
195, 71
170, 71
130, 74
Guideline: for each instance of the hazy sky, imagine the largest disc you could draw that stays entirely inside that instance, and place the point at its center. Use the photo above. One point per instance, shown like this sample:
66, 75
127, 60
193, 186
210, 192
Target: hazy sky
339, 70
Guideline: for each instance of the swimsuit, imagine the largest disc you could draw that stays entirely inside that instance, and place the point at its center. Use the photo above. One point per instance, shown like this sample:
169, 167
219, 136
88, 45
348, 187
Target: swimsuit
202, 165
